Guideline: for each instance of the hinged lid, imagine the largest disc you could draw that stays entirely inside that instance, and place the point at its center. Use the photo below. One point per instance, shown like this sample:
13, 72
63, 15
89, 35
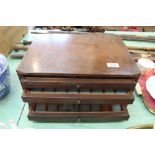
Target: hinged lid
93, 55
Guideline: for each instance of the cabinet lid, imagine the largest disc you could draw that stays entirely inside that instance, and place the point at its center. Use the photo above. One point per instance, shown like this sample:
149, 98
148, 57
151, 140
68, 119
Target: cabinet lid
91, 55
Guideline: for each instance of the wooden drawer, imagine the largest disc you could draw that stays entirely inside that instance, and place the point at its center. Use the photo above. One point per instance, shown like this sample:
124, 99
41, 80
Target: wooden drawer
75, 83
77, 116
75, 107
77, 98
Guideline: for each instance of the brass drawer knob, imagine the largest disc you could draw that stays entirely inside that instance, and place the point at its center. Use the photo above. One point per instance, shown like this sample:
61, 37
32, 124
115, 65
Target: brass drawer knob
78, 120
78, 102
77, 86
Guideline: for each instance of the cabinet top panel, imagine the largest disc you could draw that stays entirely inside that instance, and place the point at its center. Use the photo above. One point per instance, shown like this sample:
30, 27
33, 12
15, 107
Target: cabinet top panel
84, 55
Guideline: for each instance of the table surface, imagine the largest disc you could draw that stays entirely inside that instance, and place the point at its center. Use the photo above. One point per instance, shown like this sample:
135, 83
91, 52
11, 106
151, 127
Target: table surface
13, 111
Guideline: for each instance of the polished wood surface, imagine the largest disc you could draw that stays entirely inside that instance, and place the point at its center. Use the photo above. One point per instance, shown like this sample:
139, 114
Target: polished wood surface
65, 98
85, 116
77, 55
65, 77
75, 83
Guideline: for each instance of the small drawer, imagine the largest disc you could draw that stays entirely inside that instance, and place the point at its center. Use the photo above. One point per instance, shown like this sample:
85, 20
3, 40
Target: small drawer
57, 116
77, 83
78, 98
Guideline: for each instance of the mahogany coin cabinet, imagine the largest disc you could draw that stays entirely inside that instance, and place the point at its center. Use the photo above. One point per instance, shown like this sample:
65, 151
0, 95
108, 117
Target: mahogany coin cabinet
77, 77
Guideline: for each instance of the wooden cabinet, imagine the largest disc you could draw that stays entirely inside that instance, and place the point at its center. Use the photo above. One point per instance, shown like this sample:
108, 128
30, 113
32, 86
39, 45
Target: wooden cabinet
77, 77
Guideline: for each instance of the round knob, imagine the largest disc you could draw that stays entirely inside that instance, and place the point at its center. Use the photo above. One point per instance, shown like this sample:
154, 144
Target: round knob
78, 102
78, 120
77, 86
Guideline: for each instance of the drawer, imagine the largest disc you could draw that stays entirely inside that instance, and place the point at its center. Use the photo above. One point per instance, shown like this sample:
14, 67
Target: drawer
57, 116
78, 98
76, 83
75, 107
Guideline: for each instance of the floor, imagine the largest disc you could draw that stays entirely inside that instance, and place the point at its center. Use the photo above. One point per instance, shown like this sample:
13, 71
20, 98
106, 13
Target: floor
13, 111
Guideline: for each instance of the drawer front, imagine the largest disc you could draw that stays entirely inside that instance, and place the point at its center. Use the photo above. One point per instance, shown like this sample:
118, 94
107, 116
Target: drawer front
72, 83
34, 97
42, 107
77, 116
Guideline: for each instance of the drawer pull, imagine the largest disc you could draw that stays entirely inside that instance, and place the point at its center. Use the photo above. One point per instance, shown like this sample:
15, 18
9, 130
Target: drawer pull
78, 120
78, 102
77, 86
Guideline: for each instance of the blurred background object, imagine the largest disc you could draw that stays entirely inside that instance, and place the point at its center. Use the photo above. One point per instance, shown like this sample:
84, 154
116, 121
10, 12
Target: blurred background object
4, 77
97, 28
144, 126
145, 64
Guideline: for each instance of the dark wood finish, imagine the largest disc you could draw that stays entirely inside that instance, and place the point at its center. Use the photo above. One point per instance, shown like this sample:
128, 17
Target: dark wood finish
77, 116
78, 98
75, 83
65, 77
77, 55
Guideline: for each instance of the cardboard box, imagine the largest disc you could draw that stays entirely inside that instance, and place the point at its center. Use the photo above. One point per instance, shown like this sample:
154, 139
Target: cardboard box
10, 36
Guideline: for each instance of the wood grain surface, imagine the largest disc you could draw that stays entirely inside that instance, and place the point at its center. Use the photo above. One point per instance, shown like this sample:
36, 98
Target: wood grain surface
77, 55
